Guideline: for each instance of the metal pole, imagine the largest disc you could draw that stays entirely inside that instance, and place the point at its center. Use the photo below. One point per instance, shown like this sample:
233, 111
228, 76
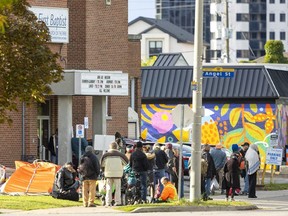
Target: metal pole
180, 152
227, 32
195, 173
79, 156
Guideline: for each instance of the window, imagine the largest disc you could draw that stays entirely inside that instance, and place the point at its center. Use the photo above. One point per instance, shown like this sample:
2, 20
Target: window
282, 17
242, 35
282, 35
272, 17
272, 1
155, 48
272, 35
282, 1
242, 17
242, 53
215, 54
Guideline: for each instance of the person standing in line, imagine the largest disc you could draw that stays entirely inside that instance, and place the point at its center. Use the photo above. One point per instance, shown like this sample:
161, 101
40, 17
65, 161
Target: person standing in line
112, 163
121, 142
219, 158
244, 173
139, 164
53, 147
151, 163
232, 173
175, 178
89, 170
253, 159
211, 171
160, 164
170, 164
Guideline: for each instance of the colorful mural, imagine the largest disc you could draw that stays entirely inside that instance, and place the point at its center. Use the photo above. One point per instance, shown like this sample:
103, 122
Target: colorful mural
225, 123
282, 115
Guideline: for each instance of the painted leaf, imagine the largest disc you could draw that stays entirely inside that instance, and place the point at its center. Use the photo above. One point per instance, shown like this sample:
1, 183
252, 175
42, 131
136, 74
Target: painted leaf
234, 116
185, 135
232, 137
255, 131
261, 117
269, 126
162, 139
268, 110
253, 107
144, 133
224, 109
249, 117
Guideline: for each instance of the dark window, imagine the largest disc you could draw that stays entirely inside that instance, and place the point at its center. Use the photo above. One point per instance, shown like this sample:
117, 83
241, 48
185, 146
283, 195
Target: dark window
253, 35
155, 48
282, 35
272, 17
282, 17
242, 35
242, 17
272, 35
282, 1
242, 53
272, 1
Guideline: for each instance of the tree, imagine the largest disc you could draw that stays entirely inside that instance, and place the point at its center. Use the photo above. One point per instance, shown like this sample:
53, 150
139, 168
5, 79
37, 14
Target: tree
274, 52
4, 4
27, 65
148, 62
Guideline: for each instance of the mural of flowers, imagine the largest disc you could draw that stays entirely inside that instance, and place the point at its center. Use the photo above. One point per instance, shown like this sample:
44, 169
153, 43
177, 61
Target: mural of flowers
162, 121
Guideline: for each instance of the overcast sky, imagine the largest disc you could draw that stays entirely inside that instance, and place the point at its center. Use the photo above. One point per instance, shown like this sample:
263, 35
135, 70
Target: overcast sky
145, 8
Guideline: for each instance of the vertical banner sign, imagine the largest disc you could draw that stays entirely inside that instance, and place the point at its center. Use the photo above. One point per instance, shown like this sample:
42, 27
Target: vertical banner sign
86, 123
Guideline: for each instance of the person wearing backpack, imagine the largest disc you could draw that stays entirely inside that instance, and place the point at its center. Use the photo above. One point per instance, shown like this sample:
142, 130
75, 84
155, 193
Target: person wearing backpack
244, 173
89, 170
211, 171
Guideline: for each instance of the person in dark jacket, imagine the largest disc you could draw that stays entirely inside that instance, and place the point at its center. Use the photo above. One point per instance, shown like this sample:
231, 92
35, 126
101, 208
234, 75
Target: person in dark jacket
139, 164
65, 180
89, 170
211, 170
176, 170
232, 173
160, 165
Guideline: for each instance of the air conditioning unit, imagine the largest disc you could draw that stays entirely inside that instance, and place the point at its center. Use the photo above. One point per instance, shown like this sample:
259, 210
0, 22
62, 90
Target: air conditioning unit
108, 2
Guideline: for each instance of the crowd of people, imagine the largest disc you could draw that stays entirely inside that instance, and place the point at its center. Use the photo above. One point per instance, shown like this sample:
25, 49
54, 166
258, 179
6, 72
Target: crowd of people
159, 166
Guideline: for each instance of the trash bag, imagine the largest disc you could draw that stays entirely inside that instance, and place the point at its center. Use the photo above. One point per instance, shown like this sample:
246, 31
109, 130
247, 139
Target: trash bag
214, 184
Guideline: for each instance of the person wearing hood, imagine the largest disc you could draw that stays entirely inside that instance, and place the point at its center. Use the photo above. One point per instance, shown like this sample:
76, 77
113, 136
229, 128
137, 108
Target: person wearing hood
253, 159
89, 170
113, 163
232, 173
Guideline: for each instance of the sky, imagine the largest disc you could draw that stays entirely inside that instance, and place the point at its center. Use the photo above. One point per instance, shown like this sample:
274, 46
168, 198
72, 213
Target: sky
145, 8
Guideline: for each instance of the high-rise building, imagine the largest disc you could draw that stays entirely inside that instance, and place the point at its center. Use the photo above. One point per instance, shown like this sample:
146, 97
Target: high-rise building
236, 29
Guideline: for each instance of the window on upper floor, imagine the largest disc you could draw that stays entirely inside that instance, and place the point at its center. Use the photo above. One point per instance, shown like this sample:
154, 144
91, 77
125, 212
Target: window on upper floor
155, 48
272, 17
242, 54
272, 35
242, 17
215, 54
282, 1
272, 1
242, 35
282, 17
282, 35
242, 1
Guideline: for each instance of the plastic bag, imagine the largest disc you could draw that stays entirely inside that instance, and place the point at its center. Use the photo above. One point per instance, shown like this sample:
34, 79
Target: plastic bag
102, 186
214, 184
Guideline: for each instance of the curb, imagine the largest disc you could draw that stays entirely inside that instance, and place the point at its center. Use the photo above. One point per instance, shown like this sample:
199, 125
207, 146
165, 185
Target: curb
192, 208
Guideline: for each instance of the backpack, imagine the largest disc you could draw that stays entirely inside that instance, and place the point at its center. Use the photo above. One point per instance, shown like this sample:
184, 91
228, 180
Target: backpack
242, 162
204, 166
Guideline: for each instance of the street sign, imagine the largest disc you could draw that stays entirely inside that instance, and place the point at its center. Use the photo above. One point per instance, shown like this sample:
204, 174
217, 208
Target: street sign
176, 115
274, 140
218, 72
274, 156
79, 131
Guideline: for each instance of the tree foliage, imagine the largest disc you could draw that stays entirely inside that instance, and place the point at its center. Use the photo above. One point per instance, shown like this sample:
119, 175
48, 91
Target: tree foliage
27, 65
3, 19
148, 62
274, 52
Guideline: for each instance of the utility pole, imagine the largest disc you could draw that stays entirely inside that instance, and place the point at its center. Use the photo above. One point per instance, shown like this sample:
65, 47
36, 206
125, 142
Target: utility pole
196, 86
227, 32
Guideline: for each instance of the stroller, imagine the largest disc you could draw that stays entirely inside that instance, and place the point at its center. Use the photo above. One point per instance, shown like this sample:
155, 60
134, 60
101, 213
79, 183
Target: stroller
131, 186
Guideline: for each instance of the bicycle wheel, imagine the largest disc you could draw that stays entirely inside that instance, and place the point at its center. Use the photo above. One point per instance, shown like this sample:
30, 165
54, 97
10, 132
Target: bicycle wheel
150, 193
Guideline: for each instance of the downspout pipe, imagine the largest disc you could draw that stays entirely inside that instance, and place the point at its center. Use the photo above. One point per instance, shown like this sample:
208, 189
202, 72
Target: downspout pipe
23, 131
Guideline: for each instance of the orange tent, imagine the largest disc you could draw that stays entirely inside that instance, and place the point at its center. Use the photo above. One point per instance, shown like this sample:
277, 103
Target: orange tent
36, 177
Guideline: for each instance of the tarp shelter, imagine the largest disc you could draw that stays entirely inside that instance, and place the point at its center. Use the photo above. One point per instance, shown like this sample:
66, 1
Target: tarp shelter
36, 177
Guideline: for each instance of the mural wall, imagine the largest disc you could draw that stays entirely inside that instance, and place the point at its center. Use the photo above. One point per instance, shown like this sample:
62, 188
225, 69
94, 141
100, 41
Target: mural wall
225, 123
282, 115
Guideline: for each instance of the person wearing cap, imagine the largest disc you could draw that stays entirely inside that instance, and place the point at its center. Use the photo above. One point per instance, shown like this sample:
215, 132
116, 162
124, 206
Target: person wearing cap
139, 164
89, 170
219, 158
112, 163
244, 174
